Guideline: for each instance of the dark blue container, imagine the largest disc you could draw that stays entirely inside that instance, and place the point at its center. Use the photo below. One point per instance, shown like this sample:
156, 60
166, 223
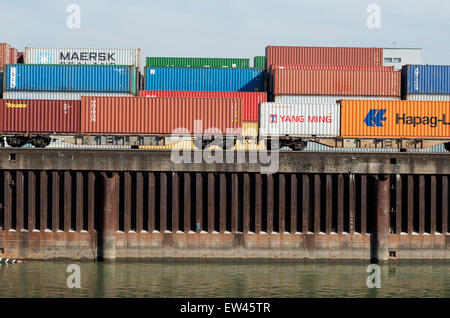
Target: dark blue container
426, 79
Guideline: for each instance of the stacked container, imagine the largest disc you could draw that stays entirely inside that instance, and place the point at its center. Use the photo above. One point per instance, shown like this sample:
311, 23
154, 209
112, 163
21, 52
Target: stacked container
67, 74
426, 82
211, 78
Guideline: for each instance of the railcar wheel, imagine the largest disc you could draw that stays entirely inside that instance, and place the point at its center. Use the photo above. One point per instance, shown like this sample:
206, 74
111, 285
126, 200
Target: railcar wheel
40, 142
447, 146
15, 142
299, 145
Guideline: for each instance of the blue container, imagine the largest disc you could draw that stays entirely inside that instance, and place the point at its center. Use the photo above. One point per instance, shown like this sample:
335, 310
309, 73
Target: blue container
426, 79
70, 78
204, 79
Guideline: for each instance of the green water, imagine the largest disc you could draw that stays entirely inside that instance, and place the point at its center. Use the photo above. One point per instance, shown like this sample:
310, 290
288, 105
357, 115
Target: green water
223, 279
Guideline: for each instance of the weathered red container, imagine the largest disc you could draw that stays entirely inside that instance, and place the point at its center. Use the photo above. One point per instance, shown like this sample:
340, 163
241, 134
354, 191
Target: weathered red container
13, 55
336, 82
158, 116
250, 100
4, 54
333, 67
285, 55
40, 116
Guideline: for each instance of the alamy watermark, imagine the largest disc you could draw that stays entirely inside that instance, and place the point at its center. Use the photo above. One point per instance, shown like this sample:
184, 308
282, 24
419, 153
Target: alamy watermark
374, 279
74, 279
212, 146
74, 19
374, 19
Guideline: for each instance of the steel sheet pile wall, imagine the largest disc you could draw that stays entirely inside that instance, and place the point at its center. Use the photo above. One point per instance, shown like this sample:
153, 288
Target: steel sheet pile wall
282, 119
426, 82
91, 56
204, 79
71, 78
40, 116
395, 119
197, 62
336, 82
302, 55
141, 115
250, 100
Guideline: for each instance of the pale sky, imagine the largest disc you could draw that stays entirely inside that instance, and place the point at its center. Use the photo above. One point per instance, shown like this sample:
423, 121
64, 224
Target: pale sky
228, 28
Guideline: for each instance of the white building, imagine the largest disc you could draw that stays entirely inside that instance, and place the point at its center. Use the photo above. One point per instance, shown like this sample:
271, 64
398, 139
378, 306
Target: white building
398, 57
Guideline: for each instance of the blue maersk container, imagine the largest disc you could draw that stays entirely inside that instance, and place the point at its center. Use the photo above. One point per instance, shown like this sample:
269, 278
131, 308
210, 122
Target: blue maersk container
70, 78
204, 79
426, 79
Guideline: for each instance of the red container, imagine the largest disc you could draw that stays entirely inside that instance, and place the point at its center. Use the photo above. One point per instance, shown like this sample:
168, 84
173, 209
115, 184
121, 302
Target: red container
40, 116
295, 55
4, 54
250, 100
336, 82
332, 67
158, 116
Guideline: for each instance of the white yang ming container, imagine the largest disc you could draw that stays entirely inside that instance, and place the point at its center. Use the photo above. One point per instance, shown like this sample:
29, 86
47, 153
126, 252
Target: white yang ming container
299, 120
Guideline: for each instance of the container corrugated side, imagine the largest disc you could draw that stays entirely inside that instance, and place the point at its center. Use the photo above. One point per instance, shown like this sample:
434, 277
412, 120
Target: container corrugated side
13, 56
250, 100
323, 99
296, 55
40, 116
259, 62
160, 116
59, 95
299, 120
435, 98
35, 55
333, 67
71, 78
335, 82
395, 119
426, 79
4, 54
197, 62
204, 79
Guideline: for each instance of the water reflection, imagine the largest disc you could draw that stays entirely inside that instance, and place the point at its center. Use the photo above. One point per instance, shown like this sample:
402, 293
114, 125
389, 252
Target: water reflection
223, 279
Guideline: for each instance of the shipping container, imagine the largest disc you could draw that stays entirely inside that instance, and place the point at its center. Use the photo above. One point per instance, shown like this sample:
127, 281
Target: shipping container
40, 116
59, 95
250, 100
91, 56
426, 79
159, 116
434, 98
323, 99
259, 62
395, 119
4, 54
197, 62
71, 78
332, 67
299, 120
302, 55
335, 82
204, 79
13, 56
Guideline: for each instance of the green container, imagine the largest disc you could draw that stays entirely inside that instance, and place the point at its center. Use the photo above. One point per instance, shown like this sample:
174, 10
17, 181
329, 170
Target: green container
197, 62
259, 62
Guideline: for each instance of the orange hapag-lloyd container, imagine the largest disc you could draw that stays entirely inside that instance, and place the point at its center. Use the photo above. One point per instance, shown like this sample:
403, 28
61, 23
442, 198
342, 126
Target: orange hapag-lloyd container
395, 119
159, 115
